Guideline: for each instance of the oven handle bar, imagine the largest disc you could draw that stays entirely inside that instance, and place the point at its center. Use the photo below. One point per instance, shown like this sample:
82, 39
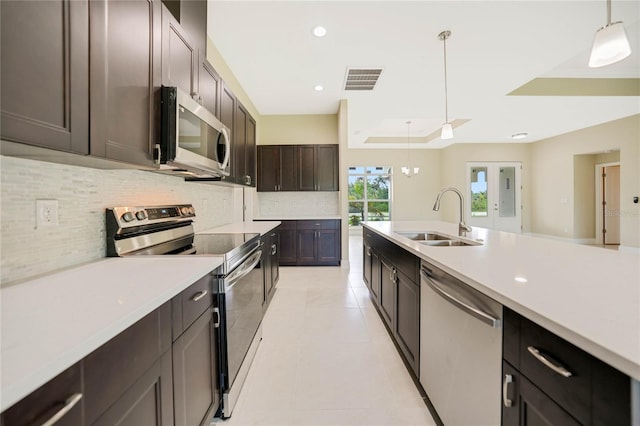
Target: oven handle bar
242, 270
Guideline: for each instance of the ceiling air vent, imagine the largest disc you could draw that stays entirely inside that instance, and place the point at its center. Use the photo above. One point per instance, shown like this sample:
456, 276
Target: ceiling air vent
362, 78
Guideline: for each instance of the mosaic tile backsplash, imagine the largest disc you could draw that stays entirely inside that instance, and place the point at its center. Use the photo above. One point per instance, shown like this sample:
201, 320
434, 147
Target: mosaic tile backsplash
283, 205
83, 194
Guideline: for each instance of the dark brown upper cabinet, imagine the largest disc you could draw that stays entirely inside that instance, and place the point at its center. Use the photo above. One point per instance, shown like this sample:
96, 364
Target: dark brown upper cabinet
298, 168
209, 86
193, 18
125, 53
45, 73
179, 56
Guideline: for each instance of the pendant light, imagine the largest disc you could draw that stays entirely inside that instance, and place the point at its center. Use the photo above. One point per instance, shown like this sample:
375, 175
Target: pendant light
407, 170
447, 130
610, 44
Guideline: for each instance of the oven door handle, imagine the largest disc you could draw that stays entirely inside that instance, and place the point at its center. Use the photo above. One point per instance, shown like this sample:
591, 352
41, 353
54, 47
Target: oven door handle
242, 270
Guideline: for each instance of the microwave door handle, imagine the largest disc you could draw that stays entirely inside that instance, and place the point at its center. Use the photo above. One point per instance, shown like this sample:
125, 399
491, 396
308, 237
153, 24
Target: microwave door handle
227, 149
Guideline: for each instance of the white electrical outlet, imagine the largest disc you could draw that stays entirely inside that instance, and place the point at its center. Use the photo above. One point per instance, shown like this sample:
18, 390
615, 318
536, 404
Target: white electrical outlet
46, 213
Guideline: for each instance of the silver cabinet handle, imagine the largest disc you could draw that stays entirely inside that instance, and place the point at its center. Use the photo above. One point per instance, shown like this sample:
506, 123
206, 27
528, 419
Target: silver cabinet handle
369, 251
158, 156
216, 324
549, 362
471, 310
69, 403
199, 295
508, 379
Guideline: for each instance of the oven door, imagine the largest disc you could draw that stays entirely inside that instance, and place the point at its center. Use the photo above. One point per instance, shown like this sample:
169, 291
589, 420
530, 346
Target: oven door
242, 293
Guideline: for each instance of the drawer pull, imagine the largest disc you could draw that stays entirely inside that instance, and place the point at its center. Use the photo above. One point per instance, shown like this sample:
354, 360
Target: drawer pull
508, 379
199, 295
549, 362
69, 403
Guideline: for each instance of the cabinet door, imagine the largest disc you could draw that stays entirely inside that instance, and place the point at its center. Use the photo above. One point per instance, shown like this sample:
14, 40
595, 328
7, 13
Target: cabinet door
250, 151
288, 167
59, 393
408, 320
193, 19
306, 168
179, 56
196, 393
376, 270
239, 171
125, 65
288, 239
307, 248
45, 73
115, 366
148, 402
275, 255
268, 168
530, 406
326, 167
387, 294
366, 265
328, 241
209, 83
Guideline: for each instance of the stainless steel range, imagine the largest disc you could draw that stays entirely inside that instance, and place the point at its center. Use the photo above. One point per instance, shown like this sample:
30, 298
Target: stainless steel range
238, 283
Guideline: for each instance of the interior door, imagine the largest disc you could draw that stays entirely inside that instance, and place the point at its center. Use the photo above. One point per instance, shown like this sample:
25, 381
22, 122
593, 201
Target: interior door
611, 195
495, 194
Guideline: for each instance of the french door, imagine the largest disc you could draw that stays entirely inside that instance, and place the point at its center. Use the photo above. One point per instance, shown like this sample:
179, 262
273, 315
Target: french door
495, 194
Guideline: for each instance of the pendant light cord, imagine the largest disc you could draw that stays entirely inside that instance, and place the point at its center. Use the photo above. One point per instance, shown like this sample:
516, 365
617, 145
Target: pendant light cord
608, 12
446, 102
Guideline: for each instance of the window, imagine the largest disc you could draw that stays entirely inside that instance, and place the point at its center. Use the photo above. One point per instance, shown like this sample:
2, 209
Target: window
369, 194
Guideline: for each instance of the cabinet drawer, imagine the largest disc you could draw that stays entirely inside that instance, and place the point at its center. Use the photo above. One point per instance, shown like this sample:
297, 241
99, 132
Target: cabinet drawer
191, 303
287, 225
49, 399
319, 224
112, 368
572, 393
407, 263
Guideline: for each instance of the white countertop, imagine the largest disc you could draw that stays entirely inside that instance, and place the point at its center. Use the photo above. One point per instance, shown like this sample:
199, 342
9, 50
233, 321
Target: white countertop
52, 322
590, 296
251, 227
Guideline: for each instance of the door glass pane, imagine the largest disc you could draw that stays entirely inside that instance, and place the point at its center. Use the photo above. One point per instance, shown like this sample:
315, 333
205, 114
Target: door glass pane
378, 210
479, 192
507, 191
378, 187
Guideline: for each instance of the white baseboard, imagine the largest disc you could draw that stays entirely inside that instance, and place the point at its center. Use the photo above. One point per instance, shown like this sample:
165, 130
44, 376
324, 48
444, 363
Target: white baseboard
628, 249
584, 241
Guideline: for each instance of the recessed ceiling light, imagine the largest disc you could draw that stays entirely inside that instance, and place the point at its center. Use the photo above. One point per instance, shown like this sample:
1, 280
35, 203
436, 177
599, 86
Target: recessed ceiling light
520, 279
319, 31
318, 88
520, 135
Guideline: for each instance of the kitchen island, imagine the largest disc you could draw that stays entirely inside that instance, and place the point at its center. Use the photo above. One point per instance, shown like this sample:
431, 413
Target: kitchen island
588, 296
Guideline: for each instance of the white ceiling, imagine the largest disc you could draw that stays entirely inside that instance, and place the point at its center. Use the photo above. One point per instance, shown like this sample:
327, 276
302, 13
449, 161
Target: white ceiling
495, 47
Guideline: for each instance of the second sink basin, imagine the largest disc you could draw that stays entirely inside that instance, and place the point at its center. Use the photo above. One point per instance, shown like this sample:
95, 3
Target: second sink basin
424, 236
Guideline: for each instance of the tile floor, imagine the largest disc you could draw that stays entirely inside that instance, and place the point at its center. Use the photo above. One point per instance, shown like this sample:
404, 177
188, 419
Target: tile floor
326, 358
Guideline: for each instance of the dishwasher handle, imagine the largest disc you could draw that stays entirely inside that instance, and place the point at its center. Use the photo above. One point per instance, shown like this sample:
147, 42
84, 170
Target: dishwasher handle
464, 306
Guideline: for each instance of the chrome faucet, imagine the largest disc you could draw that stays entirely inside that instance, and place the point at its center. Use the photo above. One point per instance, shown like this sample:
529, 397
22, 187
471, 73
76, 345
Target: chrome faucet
463, 228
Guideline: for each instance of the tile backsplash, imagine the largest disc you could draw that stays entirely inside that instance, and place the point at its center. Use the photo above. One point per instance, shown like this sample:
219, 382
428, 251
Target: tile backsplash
297, 205
83, 194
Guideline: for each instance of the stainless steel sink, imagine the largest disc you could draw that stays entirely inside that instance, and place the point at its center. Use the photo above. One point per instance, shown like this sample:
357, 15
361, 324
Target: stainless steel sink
449, 243
436, 239
425, 236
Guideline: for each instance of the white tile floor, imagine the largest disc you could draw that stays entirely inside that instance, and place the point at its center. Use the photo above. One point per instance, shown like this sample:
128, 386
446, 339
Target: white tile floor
326, 358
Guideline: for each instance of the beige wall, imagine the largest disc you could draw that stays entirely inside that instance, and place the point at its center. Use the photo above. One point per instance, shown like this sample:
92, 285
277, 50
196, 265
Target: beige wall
298, 129
553, 178
584, 196
454, 173
412, 197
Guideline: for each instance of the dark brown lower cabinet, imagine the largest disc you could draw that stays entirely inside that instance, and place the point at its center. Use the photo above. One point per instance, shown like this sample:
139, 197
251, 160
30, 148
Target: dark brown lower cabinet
196, 393
310, 242
549, 381
390, 274
270, 264
48, 400
147, 403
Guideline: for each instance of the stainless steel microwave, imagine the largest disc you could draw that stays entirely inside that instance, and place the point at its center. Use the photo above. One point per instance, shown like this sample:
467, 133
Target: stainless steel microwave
193, 141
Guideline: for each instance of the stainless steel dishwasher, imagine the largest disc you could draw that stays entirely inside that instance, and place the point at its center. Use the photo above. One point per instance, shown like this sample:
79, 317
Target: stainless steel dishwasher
460, 349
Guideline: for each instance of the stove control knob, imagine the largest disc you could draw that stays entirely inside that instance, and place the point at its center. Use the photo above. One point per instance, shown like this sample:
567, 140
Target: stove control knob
128, 217
192, 211
141, 215
185, 211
